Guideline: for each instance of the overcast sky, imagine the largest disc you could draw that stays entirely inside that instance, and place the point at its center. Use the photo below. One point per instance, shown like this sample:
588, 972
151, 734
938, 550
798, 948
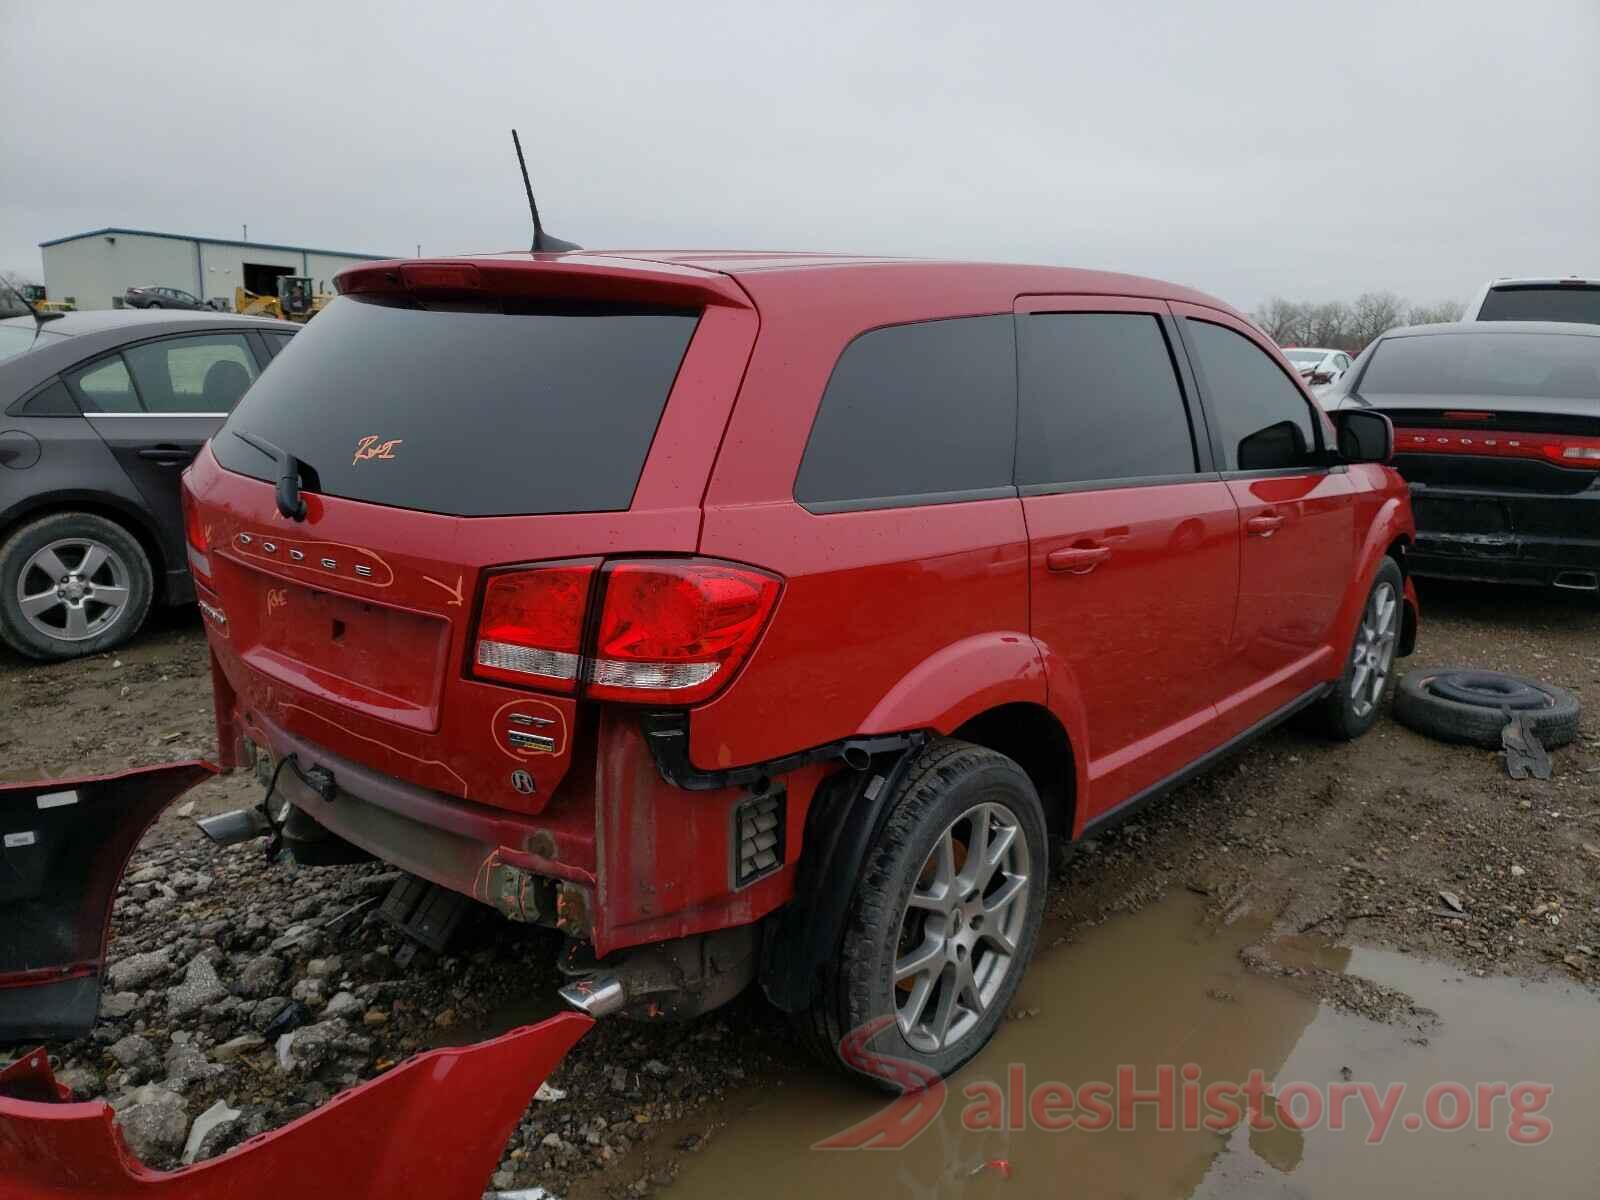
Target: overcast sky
1309, 151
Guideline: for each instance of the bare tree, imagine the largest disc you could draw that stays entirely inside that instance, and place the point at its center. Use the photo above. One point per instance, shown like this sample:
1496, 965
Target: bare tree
1438, 313
1330, 325
1279, 318
1338, 325
11, 304
1373, 313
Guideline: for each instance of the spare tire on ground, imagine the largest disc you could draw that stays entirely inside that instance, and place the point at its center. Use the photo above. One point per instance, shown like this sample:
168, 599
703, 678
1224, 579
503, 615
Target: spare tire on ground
1458, 705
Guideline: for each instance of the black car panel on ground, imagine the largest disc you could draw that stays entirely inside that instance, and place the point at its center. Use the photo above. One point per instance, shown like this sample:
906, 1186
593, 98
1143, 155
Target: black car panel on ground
1497, 429
102, 412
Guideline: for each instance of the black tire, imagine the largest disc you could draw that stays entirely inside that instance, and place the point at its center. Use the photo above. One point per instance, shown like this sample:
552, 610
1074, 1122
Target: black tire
1349, 711
949, 780
1450, 718
127, 570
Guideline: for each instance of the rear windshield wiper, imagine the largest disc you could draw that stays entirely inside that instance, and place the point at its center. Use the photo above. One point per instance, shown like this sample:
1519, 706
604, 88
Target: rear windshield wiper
289, 467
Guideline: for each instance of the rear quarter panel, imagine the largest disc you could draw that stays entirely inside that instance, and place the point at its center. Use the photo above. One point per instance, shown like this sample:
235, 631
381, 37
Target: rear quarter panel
891, 618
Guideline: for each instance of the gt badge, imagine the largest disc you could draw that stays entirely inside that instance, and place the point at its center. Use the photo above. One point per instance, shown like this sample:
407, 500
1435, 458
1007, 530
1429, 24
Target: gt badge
371, 447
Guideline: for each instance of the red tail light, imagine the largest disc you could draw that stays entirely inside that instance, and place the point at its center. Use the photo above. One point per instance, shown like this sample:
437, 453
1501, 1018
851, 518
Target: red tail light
531, 627
1563, 450
194, 532
676, 631
1577, 452
669, 630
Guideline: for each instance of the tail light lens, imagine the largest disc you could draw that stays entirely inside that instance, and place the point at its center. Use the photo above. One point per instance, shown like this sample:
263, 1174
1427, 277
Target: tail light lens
676, 630
194, 532
669, 629
530, 629
1585, 453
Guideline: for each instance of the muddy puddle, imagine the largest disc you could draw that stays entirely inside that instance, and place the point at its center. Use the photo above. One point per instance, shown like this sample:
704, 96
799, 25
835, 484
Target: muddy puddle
1161, 989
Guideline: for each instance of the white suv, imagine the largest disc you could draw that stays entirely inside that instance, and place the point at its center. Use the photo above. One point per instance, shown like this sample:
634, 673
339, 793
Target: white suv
1567, 299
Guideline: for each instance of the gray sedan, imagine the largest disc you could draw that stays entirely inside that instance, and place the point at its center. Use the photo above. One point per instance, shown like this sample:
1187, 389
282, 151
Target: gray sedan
102, 412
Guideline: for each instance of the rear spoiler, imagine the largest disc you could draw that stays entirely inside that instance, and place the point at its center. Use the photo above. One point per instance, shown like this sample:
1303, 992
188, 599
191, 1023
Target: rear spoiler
529, 276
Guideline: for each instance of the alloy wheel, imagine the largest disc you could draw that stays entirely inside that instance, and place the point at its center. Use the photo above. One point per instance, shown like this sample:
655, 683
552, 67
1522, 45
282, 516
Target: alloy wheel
1374, 650
73, 589
962, 924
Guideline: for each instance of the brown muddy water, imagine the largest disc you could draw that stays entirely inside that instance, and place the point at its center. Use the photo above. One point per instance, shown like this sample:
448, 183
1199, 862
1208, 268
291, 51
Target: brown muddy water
1163, 988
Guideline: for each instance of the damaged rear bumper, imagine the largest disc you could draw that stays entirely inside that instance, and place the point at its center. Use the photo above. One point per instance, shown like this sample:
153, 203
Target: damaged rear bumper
1534, 539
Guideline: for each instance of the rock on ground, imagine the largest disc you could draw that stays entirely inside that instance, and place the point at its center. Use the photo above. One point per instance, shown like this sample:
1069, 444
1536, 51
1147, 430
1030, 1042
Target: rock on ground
199, 988
154, 1122
132, 974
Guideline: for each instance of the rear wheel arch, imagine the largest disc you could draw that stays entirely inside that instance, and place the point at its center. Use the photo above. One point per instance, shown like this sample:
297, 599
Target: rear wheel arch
135, 526
1386, 537
1035, 739
959, 682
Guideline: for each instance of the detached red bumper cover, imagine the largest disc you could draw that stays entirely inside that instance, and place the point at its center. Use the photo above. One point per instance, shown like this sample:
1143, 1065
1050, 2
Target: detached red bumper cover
435, 1126
64, 844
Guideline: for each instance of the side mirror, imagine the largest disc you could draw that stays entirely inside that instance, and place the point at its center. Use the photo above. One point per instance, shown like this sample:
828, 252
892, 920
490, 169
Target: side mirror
1277, 447
1364, 436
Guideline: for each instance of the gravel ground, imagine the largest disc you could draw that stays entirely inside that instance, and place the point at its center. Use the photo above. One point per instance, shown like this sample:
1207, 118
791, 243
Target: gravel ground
216, 954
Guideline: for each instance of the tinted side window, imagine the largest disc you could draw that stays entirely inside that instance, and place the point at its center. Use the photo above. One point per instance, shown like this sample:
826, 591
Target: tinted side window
1099, 400
105, 387
276, 343
916, 410
1264, 421
204, 374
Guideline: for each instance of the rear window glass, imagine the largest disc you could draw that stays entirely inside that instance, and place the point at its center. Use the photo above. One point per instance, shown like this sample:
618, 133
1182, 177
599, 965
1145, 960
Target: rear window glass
914, 413
546, 408
203, 374
1548, 365
1552, 303
19, 339
1100, 400
105, 387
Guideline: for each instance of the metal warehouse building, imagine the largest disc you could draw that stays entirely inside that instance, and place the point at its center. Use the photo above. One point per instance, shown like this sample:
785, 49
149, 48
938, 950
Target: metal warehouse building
93, 268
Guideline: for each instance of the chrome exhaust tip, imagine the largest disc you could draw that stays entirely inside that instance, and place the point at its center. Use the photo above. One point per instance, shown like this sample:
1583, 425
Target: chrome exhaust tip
596, 996
1577, 581
239, 825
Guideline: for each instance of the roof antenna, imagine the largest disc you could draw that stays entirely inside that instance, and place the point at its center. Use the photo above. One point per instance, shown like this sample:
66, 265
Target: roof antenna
39, 318
541, 240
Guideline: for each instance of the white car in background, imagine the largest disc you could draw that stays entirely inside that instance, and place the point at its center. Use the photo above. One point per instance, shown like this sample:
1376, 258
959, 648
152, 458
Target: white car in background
1320, 368
1569, 298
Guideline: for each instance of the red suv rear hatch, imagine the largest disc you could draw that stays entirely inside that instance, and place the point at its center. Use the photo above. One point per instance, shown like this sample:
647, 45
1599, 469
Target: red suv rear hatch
449, 419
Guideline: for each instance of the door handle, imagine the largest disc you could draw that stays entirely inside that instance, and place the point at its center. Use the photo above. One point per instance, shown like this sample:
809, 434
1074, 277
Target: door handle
1264, 526
1079, 560
167, 456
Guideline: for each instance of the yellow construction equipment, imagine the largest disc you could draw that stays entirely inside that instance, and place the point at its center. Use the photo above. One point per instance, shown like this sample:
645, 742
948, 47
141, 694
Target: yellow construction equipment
297, 300
33, 293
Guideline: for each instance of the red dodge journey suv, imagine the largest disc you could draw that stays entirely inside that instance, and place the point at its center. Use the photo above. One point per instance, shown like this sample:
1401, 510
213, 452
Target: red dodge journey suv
756, 617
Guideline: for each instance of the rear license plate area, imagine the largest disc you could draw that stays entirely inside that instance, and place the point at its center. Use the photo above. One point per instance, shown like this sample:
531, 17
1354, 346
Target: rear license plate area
1449, 514
383, 661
